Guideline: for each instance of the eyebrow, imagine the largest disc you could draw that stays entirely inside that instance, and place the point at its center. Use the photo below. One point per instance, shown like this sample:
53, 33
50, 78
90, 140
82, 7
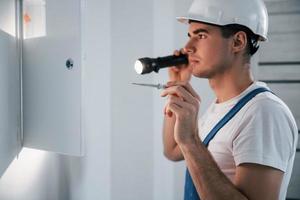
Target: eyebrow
199, 30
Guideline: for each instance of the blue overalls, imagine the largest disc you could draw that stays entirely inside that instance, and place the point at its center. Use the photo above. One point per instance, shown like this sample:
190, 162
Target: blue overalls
190, 192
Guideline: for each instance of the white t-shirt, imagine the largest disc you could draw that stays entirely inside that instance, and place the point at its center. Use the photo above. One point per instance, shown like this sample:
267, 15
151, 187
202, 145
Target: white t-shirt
263, 132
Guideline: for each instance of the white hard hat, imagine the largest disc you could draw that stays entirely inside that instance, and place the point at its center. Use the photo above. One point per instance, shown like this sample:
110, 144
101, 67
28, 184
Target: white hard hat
250, 13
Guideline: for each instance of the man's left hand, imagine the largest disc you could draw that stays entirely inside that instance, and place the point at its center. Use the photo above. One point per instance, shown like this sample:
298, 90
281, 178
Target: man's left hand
184, 102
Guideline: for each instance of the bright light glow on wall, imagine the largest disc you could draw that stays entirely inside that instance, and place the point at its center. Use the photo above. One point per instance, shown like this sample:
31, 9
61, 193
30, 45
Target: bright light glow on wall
23, 174
7, 17
34, 18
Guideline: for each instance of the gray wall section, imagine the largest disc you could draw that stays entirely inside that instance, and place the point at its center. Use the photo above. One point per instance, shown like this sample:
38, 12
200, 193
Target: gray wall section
164, 170
9, 86
279, 60
9, 101
132, 117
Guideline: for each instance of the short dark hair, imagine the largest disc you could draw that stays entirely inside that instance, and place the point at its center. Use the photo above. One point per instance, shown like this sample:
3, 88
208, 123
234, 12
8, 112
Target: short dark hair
252, 39
231, 29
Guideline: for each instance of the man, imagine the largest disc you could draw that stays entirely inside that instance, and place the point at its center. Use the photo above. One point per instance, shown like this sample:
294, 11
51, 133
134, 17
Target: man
251, 156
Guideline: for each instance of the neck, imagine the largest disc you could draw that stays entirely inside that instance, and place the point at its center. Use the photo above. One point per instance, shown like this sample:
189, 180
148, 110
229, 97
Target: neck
231, 83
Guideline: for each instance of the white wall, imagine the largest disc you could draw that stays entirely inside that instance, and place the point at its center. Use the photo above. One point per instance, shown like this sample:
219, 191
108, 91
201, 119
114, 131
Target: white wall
36, 175
124, 158
47, 176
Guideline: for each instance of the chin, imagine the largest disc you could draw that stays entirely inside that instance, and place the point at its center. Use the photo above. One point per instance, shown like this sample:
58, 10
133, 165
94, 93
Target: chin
201, 74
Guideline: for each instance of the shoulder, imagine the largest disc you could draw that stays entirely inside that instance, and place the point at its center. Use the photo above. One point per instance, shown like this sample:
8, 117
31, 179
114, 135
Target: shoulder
265, 112
267, 133
268, 126
268, 105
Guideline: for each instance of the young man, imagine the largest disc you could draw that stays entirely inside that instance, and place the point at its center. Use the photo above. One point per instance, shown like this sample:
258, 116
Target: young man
251, 156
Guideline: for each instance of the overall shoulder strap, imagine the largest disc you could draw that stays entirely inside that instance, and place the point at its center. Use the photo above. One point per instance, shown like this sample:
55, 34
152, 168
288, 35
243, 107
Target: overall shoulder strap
190, 192
232, 113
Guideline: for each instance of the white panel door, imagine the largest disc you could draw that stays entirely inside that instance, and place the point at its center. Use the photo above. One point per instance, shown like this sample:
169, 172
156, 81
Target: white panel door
51, 90
9, 86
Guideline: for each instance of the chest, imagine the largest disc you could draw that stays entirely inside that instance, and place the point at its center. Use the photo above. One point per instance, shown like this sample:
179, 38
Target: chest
221, 146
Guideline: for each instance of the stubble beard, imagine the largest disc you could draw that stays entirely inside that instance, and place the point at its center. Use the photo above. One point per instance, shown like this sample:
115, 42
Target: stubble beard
209, 73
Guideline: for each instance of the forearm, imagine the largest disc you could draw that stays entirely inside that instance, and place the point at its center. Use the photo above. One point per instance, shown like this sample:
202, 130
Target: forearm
208, 179
171, 149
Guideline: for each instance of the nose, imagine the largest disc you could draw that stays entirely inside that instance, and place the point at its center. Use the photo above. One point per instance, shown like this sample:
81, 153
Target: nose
189, 47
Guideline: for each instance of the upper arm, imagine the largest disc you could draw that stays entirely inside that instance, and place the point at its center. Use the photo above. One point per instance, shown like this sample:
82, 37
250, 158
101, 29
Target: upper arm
262, 151
258, 182
266, 137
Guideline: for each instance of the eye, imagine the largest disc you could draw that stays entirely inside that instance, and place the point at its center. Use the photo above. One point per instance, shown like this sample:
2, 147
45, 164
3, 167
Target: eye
202, 36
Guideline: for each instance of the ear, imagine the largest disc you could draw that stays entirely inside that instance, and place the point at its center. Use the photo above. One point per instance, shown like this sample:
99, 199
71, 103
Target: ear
239, 41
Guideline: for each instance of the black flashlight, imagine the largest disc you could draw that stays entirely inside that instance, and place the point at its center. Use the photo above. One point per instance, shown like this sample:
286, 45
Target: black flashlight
148, 65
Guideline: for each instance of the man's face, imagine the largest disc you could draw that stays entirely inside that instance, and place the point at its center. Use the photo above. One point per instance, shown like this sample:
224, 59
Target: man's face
209, 53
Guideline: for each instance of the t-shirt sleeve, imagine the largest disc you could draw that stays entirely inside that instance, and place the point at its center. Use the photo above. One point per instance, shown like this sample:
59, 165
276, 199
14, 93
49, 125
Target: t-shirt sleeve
265, 136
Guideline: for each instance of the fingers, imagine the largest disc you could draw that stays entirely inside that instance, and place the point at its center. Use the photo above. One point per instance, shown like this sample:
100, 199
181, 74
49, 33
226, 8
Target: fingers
175, 69
181, 89
174, 108
176, 53
179, 107
185, 85
167, 111
179, 52
180, 92
183, 96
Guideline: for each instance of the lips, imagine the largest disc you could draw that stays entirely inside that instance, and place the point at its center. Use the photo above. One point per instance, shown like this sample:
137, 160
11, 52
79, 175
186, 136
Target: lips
193, 60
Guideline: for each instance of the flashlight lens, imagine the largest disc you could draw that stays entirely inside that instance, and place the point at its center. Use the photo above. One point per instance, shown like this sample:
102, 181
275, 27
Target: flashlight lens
138, 66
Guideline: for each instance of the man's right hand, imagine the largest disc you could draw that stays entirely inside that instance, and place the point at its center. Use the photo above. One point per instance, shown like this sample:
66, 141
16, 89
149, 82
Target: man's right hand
177, 74
181, 73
